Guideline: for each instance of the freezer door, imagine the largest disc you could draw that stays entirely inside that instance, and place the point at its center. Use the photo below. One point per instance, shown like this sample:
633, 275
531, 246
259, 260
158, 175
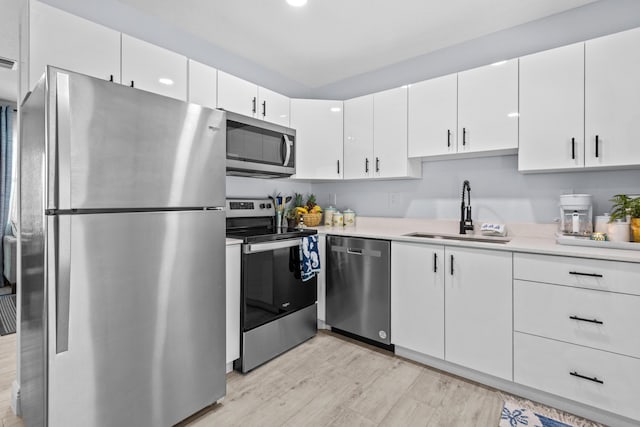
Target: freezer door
120, 147
137, 316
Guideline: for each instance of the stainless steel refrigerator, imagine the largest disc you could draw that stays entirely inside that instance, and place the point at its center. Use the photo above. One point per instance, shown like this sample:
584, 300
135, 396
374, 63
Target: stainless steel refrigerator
122, 231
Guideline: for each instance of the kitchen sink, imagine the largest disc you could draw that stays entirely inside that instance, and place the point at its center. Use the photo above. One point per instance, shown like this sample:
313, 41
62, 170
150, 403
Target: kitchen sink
460, 237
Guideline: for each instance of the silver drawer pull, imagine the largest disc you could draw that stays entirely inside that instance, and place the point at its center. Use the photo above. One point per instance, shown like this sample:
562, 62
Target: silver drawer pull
577, 273
582, 319
354, 251
594, 379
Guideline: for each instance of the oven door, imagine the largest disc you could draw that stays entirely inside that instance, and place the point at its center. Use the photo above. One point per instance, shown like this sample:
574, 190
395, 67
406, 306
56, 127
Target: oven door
271, 283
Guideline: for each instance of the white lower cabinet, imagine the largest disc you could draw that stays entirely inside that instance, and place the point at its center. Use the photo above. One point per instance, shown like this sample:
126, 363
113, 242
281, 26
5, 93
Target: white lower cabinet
575, 322
233, 302
417, 297
598, 378
453, 303
478, 310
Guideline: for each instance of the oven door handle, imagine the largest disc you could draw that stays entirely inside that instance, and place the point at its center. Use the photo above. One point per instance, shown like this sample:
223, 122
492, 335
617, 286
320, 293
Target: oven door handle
252, 248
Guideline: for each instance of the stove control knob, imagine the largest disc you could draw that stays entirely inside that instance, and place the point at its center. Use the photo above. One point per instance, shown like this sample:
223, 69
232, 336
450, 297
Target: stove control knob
261, 205
269, 205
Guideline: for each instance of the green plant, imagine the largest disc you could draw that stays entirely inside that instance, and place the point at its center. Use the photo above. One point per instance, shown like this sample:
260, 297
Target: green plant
621, 206
634, 207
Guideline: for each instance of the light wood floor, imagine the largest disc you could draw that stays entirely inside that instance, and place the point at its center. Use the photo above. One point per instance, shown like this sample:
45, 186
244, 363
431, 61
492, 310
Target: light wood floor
330, 381
7, 376
327, 381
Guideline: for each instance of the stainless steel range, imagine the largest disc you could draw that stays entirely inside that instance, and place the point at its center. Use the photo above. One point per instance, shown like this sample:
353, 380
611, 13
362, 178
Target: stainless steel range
278, 310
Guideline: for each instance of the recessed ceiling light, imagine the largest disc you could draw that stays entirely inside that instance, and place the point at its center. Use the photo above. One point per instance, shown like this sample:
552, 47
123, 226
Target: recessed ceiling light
165, 81
335, 109
514, 114
297, 3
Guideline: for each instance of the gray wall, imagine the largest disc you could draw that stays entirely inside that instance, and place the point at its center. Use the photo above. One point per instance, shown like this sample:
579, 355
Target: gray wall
498, 191
253, 187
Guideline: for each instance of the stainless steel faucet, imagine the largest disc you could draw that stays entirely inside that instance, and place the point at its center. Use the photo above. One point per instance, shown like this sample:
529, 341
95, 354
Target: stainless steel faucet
465, 211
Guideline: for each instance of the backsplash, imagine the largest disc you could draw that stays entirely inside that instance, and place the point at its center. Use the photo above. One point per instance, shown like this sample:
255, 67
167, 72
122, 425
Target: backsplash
498, 191
255, 187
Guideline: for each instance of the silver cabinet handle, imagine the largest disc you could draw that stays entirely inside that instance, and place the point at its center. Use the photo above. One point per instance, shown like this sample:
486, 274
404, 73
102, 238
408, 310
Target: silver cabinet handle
354, 251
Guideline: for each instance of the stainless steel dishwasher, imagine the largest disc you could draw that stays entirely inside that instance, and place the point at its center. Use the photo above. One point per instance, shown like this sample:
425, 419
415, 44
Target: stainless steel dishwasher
359, 287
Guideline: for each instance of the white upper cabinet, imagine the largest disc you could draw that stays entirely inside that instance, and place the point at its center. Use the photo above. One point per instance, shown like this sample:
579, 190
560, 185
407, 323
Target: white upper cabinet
552, 109
237, 95
358, 137
417, 297
433, 115
319, 134
273, 107
152, 68
390, 136
488, 108
243, 97
612, 100
63, 40
203, 84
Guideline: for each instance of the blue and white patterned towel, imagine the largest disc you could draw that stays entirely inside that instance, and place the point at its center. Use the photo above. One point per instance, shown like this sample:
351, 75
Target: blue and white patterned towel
309, 257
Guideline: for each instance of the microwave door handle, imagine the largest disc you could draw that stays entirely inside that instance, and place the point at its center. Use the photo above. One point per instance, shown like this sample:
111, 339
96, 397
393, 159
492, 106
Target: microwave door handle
288, 144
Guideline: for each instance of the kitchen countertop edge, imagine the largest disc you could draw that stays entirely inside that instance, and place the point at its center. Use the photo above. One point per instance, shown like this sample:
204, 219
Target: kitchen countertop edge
545, 245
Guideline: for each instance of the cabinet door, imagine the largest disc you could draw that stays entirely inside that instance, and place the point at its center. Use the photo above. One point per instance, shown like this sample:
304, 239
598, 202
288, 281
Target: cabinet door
233, 302
390, 133
358, 137
203, 84
273, 107
478, 310
417, 297
433, 115
237, 95
318, 125
153, 68
552, 109
612, 101
488, 108
70, 42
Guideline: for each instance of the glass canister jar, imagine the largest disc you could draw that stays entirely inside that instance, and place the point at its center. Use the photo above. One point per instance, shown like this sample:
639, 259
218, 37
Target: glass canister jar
328, 216
338, 220
349, 218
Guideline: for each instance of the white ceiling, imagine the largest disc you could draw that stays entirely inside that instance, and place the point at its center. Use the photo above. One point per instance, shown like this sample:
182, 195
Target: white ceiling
332, 40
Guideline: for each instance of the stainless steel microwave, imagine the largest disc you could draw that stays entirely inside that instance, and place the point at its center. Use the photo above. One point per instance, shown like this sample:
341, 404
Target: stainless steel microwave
258, 148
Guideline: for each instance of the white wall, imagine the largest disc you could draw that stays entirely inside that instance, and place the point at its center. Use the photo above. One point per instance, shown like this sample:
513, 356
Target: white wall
254, 187
498, 191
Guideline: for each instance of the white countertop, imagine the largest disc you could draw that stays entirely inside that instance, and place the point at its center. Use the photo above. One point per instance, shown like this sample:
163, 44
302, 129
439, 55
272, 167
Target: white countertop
230, 242
531, 238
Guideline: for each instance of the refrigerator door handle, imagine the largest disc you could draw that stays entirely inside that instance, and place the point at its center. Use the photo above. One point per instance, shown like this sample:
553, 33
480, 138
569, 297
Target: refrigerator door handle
62, 232
63, 139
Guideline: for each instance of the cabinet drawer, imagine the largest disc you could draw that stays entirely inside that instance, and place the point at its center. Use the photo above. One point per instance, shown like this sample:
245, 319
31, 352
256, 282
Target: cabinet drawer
580, 272
547, 365
546, 310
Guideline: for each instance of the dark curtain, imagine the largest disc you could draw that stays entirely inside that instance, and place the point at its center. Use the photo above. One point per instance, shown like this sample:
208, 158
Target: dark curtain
6, 156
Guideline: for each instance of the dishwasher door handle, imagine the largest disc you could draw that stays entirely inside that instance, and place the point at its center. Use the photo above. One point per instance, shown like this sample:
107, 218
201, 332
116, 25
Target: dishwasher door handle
357, 251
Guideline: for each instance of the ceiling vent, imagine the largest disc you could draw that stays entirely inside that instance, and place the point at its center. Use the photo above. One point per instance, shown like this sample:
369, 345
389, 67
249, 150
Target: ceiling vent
7, 63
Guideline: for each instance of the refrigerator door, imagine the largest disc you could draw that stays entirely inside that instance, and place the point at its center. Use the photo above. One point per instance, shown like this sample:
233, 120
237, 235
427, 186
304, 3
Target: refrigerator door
123, 148
32, 286
137, 334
